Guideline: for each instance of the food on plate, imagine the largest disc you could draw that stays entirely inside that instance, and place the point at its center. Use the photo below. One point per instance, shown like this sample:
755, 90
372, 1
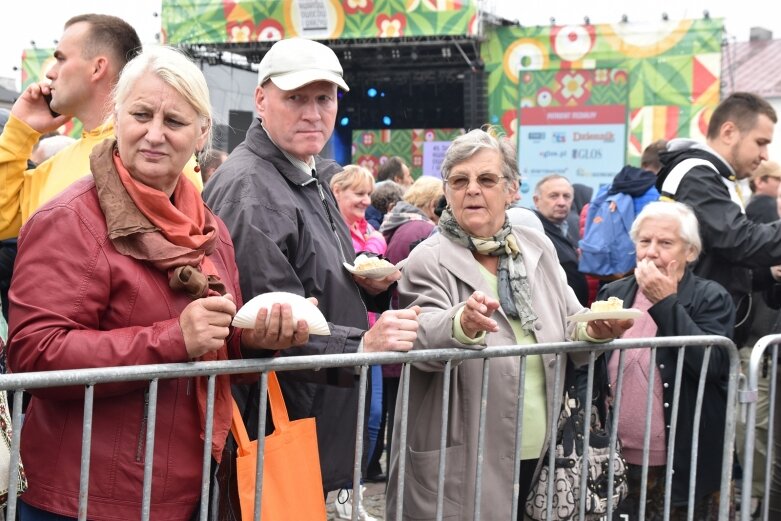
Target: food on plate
611, 304
362, 262
302, 310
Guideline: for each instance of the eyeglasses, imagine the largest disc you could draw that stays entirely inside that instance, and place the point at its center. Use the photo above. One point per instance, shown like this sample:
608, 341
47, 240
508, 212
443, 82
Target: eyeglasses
460, 182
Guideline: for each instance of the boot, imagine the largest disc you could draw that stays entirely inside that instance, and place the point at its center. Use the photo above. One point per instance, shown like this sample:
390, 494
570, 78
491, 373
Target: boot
343, 506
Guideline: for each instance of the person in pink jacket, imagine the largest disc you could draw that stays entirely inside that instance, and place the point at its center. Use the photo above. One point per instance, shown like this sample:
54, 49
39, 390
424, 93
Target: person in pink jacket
352, 190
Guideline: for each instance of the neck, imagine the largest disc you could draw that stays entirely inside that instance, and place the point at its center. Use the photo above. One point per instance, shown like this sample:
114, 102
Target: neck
93, 117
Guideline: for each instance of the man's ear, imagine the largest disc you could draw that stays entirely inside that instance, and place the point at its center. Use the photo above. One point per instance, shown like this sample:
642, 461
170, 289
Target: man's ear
729, 132
260, 100
100, 67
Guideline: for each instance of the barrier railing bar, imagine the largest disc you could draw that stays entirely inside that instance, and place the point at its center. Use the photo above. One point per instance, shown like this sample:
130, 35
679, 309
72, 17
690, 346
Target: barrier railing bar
262, 414
696, 430
443, 439
584, 463
86, 445
356, 497
149, 452
193, 369
518, 439
402, 437
207, 448
13, 479
481, 439
752, 383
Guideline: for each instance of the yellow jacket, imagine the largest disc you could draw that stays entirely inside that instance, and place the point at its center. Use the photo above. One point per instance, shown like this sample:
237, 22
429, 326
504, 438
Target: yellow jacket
23, 191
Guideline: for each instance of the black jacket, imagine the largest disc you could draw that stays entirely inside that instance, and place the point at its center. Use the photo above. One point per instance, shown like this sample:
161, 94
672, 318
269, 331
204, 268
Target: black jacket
732, 243
566, 249
286, 240
701, 307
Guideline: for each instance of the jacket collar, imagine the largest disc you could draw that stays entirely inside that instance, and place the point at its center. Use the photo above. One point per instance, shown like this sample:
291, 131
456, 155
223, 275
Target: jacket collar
260, 144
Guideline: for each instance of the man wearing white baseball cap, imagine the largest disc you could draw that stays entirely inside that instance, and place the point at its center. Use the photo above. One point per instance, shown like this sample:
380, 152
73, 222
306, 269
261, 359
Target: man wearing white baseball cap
272, 192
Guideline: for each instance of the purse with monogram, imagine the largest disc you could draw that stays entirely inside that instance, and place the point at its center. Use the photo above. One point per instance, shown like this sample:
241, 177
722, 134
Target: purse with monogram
569, 456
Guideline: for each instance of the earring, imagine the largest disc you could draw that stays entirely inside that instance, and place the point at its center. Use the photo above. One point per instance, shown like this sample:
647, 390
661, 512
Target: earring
197, 162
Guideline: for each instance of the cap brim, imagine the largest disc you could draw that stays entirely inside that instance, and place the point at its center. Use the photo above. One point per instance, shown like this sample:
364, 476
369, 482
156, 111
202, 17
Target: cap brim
295, 80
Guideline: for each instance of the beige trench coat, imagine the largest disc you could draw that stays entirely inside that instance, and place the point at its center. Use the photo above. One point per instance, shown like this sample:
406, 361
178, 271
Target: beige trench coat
439, 276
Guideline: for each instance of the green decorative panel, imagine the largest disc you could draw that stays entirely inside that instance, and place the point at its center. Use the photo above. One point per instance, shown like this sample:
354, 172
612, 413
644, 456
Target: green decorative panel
215, 21
673, 71
371, 148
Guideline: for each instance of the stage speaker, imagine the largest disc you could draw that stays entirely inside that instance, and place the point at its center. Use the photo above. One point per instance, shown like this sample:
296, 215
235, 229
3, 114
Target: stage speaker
239, 121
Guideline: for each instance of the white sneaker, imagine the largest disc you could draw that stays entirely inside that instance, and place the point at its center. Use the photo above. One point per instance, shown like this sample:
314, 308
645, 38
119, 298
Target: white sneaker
343, 506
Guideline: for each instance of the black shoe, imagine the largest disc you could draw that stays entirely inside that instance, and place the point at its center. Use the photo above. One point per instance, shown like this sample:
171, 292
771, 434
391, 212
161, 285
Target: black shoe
376, 477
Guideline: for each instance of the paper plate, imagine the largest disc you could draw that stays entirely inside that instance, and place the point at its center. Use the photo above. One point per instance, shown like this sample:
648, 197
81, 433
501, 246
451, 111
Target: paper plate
301, 307
372, 273
619, 314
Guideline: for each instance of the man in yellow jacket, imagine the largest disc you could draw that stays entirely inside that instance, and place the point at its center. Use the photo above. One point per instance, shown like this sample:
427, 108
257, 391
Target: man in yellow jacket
89, 57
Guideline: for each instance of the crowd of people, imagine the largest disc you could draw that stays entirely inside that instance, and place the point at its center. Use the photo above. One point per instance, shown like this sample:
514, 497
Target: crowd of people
159, 238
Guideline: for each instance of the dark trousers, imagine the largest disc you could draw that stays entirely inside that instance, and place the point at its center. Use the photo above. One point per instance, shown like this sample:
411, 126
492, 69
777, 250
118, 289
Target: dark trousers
390, 391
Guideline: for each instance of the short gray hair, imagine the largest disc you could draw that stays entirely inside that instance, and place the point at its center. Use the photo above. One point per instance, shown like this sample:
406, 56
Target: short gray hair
469, 144
177, 71
547, 179
689, 227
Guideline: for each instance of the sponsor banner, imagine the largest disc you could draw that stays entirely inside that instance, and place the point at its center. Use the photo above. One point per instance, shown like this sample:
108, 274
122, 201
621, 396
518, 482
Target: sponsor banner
576, 127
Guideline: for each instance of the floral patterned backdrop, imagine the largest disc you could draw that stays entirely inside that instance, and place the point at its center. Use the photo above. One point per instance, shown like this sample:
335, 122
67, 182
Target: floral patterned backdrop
371, 148
219, 21
35, 65
673, 71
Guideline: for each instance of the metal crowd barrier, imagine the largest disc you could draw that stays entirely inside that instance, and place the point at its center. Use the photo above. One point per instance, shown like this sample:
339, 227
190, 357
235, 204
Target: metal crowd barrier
748, 396
154, 373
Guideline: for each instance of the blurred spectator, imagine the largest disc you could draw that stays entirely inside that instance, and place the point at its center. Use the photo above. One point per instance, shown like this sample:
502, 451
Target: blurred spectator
210, 161
48, 146
553, 200
396, 170
385, 195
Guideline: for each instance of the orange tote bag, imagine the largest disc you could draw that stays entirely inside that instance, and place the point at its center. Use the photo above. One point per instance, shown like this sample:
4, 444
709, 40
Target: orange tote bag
292, 483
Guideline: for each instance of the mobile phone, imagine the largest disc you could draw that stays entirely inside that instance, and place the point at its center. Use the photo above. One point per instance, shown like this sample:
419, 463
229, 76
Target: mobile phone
48, 99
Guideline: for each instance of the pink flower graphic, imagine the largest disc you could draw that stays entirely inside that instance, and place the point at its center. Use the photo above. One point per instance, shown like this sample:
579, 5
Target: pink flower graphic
369, 162
354, 6
269, 30
391, 26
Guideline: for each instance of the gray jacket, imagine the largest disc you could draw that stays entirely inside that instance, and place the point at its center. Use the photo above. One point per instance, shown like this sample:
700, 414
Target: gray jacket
285, 240
439, 276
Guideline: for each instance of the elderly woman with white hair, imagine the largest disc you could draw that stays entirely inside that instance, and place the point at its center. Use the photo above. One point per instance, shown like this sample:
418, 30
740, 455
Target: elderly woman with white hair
482, 282
674, 302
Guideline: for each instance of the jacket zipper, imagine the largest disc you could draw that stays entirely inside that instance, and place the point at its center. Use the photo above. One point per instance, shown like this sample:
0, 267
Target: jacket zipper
316, 180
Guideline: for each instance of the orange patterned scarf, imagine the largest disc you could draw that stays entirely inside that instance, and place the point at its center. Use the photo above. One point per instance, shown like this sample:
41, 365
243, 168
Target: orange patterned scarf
176, 235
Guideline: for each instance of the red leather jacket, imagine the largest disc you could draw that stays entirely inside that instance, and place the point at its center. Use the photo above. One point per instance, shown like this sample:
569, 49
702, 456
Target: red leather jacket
76, 303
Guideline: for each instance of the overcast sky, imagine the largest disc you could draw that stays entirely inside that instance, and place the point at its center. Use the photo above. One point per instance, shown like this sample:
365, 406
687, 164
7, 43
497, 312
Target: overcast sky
41, 20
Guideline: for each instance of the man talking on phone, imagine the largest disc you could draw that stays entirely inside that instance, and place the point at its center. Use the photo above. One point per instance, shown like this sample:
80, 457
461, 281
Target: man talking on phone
90, 54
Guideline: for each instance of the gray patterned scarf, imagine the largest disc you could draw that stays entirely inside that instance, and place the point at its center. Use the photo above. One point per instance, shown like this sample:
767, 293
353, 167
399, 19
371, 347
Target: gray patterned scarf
514, 289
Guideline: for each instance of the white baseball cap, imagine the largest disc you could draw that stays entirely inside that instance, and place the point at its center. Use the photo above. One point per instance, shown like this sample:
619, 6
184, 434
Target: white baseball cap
295, 62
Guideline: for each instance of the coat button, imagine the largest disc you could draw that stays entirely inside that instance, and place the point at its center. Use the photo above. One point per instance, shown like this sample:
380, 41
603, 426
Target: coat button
666, 405
552, 363
538, 325
661, 366
666, 385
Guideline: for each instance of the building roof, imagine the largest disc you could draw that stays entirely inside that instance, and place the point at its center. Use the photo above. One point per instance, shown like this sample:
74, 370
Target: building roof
753, 66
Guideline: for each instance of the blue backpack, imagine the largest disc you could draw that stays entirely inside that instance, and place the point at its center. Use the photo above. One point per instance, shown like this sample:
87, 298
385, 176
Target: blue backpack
606, 249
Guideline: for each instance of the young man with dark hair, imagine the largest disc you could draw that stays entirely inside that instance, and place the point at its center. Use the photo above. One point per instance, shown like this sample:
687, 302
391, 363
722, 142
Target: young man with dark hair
90, 54
704, 176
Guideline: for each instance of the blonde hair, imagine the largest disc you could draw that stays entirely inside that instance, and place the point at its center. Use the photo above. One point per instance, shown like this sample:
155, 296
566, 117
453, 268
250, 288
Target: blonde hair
177, 71
353, 176
424, 190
